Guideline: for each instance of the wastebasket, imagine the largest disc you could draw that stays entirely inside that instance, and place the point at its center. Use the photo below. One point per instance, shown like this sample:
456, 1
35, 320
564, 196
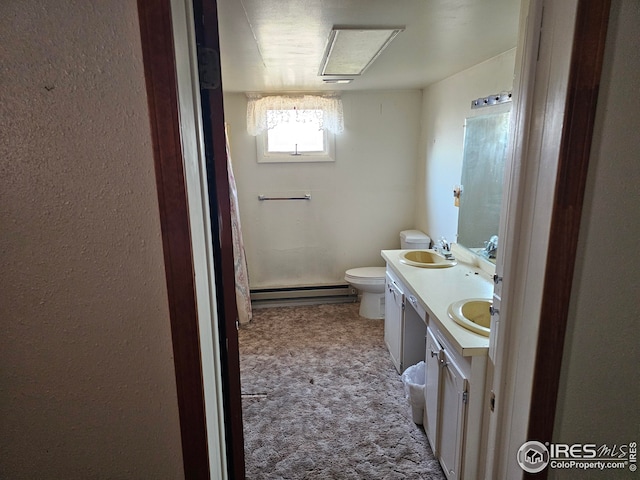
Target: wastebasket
413, 379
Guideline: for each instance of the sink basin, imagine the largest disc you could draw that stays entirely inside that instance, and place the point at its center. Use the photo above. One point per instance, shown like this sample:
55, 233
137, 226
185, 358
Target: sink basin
473, 314
426, 259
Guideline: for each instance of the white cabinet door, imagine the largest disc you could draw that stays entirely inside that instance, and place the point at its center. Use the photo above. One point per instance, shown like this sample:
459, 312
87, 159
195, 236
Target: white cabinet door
393, 321
431, 390
452, 416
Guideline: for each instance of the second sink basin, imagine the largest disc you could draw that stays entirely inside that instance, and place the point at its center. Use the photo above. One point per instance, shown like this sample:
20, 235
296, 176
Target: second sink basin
473, 314
426, 259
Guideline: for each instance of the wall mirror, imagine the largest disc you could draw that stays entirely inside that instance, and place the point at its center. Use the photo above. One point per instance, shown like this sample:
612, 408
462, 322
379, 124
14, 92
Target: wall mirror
485, 147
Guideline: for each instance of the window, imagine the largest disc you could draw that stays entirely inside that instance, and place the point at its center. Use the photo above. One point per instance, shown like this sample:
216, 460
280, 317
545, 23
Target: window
296, 136
294, 128
293, 136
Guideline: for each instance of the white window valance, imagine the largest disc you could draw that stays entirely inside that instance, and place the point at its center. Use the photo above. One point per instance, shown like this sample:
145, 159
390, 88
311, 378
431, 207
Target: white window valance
265, 112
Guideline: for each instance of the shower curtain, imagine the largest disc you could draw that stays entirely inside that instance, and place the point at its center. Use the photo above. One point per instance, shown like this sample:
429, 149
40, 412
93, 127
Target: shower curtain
243, 298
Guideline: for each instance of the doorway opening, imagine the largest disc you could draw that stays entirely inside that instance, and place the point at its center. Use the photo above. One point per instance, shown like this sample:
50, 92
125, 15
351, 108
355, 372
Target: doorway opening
161, 86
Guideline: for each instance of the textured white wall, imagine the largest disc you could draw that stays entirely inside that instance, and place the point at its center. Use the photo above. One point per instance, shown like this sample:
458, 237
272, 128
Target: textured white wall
445, 106
600, 383
86, 370
359, 204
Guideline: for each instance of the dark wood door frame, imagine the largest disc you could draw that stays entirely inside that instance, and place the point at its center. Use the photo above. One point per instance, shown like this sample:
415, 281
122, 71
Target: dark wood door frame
161, 82
159, 61
162, 98
205, 13
592, 19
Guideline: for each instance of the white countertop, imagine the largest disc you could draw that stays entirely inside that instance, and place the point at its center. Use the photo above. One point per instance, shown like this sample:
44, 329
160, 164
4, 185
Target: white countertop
437, 288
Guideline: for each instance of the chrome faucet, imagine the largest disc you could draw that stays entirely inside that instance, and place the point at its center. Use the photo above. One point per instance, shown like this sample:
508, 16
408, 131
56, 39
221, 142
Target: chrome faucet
443, 247
491, 247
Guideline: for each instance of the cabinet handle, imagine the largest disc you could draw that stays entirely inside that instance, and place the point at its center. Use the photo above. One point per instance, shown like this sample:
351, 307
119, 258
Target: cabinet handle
442, 359
440, 356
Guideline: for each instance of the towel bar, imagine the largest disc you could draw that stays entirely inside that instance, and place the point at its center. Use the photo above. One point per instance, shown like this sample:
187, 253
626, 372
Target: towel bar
307, 196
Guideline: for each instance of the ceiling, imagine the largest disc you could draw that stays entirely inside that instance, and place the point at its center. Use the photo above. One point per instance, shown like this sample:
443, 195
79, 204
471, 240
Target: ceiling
277, 45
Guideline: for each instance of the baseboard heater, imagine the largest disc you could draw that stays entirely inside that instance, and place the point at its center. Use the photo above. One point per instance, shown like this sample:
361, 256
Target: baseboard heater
263, 297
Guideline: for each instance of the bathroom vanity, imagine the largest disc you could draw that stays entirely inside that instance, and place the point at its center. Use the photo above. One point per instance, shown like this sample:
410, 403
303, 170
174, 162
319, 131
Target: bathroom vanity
455, 357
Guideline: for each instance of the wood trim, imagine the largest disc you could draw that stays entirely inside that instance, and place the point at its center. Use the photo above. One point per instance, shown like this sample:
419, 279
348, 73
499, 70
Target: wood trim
159, 66
206, 30
582, 94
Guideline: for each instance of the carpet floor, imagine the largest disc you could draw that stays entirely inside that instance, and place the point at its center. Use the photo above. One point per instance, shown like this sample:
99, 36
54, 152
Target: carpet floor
322, 400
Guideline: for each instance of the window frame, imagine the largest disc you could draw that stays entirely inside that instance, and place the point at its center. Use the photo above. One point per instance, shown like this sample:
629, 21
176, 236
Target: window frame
264, 156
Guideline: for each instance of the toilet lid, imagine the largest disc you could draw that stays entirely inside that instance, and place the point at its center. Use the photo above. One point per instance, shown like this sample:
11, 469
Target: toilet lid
366, 275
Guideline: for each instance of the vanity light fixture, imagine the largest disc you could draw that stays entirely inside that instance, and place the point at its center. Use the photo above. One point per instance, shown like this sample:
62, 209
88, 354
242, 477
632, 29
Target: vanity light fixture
350, 50
495, 99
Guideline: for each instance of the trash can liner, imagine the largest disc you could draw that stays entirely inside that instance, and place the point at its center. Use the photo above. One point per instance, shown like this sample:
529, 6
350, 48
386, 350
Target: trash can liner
413, 380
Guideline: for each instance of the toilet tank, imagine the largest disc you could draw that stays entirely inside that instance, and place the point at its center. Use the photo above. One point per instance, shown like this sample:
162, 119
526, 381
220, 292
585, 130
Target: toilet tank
414, 239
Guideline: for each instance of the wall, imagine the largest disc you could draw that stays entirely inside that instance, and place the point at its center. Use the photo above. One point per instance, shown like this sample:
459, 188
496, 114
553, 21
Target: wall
87, 379
445, 105
600, 383
359, 203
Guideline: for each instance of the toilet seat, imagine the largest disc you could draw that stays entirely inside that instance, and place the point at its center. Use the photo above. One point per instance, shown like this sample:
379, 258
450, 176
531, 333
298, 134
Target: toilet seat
366, 275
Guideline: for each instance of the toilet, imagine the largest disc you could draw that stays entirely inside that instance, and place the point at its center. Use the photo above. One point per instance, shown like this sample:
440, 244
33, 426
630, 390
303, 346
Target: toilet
370, 281
414, 240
